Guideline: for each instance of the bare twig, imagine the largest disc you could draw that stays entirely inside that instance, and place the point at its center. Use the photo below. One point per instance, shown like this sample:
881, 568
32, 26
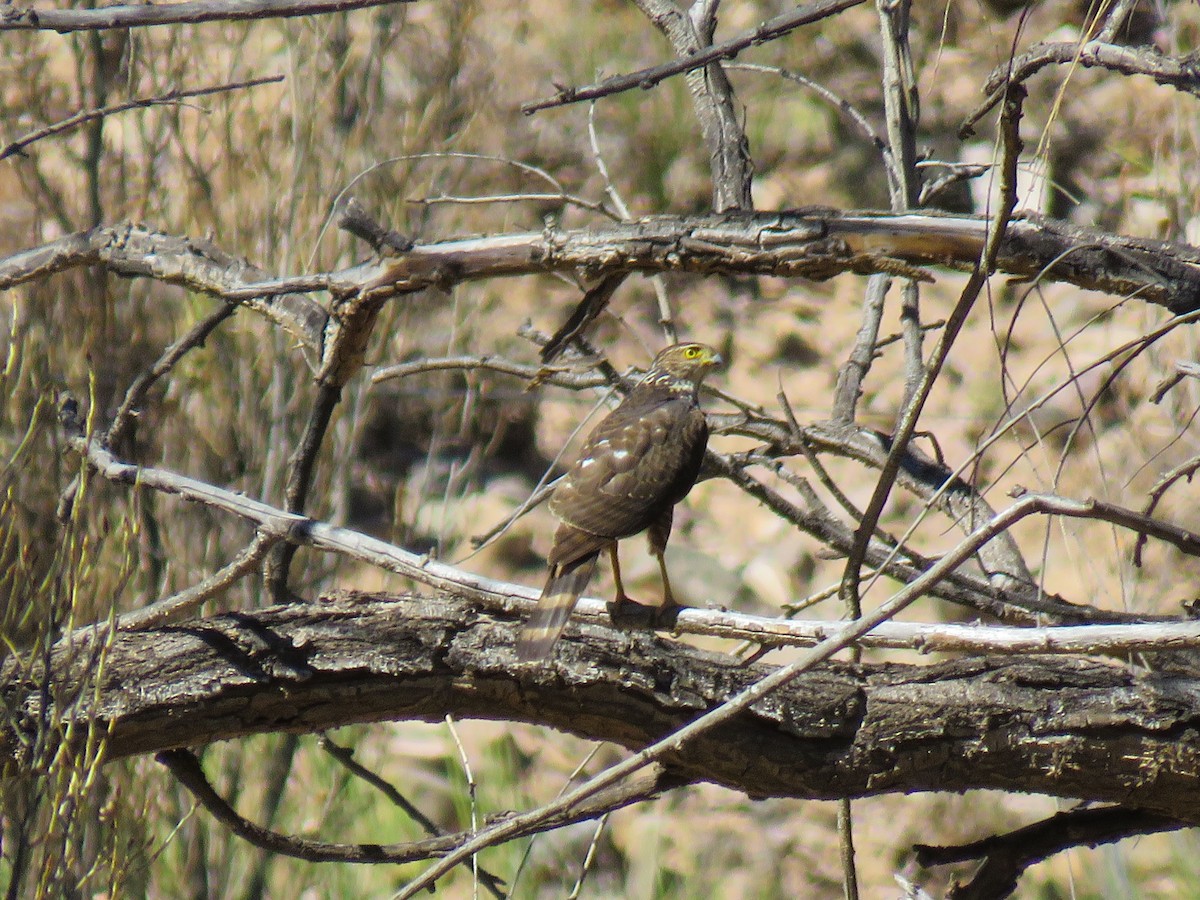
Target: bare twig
647, 78
713, 98
1184, 470
543, 490
1177, 72
81, 118
355, 219
1011, 148
560, 376
301, 466
845, 826
135, 251
342, 198
815, 463
1118, 15
530, 197
187, 600
63, 21
854, 370
901, 103
345, 757
913, 335
1006, 856
588, 858
665, 317
469, 777
902, 112
135, 396
840, 103
184, 765
594, 301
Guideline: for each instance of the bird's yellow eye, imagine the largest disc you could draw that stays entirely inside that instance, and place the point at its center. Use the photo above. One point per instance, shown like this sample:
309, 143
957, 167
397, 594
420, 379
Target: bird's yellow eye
691, 352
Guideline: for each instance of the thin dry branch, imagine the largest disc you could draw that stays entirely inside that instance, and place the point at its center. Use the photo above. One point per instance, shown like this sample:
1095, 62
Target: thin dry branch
64, 21
134, 251
186, 601
135, 395
184, 765
1179, 72
1184, 470
301, 468
713, 98
729, 49
91, 115
560, 376
345, 758
1006, 856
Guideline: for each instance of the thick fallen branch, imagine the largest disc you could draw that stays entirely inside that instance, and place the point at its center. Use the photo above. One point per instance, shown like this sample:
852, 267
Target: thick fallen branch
1070, 728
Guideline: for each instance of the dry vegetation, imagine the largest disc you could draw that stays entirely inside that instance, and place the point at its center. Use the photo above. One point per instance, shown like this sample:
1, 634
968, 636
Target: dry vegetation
414, 110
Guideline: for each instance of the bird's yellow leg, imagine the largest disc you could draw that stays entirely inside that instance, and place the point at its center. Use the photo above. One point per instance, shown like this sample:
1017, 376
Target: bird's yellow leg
667, 615
621, 597
668, 599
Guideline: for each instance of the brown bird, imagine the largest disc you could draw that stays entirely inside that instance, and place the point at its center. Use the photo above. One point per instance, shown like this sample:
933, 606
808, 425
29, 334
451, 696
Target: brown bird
637, 463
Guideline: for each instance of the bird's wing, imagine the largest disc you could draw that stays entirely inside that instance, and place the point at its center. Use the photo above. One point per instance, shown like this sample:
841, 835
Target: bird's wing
639, 460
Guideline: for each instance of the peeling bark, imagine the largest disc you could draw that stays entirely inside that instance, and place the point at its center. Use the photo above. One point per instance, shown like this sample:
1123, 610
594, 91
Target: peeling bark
1066, 727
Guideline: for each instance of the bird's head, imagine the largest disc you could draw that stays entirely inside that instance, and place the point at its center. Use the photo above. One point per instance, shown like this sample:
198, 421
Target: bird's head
683, 366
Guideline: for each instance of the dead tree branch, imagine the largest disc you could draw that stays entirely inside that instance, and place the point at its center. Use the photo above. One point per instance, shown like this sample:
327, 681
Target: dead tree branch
713, 99
91, 115
134, 251
729, 49
816, 244
1181, 73
837, 731
64, 21
1006, 856
184, 765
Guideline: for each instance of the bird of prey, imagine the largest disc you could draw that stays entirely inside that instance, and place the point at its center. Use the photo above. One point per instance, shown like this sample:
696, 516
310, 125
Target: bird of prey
637, 463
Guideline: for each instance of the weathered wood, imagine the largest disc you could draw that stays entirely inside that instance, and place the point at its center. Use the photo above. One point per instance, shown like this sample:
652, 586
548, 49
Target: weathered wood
1067, 727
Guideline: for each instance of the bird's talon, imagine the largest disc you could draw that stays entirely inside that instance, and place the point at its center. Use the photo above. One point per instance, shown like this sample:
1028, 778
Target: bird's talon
627, 613
666, 617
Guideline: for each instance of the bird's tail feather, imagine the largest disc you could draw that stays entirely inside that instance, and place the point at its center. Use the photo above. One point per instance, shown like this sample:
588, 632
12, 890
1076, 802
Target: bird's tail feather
563, 588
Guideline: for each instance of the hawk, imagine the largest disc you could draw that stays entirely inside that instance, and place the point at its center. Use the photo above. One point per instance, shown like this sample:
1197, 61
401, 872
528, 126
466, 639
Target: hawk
637, 463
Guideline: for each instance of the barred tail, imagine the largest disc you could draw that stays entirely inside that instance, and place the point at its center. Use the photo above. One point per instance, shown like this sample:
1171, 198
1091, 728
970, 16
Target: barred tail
559, 596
